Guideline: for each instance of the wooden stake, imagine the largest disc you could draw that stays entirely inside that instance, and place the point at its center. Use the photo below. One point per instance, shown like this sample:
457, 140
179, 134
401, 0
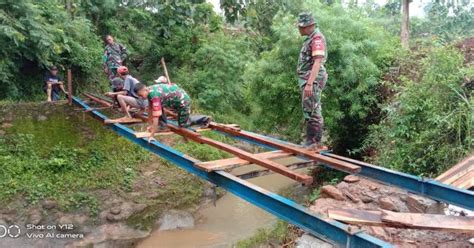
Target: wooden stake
166, 70
69, 86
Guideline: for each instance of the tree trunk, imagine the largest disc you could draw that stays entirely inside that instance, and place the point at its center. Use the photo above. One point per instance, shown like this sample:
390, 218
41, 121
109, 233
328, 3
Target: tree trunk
405, 34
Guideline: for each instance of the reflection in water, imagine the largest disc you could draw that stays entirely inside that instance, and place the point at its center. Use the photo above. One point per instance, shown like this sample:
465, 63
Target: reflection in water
231, 220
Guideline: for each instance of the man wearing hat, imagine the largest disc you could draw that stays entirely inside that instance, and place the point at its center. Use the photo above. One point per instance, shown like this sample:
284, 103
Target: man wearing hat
53, 84
312, 78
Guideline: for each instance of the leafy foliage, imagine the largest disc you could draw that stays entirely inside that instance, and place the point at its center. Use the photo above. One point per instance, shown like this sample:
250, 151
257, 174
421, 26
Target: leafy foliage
430, 123
359, 50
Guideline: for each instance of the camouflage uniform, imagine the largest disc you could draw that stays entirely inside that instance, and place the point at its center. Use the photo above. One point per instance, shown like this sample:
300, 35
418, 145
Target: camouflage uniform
114, 55
314, 47
173, 97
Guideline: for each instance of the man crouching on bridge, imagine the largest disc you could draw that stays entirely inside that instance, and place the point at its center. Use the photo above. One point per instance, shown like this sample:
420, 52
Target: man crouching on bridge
161, 96
126, 96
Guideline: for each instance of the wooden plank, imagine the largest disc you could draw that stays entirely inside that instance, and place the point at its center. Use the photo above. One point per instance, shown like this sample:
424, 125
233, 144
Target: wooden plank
123, 120
429, 221
403, 220
355, 216
97, 100
340, 165
147, 134
462, 168
230, 163
278, 168
465, 182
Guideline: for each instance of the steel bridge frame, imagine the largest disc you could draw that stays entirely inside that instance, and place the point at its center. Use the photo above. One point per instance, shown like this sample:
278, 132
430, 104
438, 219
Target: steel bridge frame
333, 231
289, 210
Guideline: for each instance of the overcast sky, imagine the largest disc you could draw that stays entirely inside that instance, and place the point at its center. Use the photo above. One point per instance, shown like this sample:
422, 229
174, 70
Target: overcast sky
416, 6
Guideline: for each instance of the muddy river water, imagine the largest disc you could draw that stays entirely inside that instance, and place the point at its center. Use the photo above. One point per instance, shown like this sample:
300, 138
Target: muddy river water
232, 219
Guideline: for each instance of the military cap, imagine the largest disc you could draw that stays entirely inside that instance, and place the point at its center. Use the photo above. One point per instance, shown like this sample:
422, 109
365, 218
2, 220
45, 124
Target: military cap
305, 19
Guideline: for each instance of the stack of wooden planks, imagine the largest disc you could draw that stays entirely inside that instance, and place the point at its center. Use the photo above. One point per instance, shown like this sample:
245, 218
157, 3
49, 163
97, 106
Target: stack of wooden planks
403, 220
460, 175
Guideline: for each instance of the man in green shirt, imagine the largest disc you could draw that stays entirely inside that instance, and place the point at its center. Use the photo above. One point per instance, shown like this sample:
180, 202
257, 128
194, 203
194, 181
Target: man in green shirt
114, 55
165, 95
312, 78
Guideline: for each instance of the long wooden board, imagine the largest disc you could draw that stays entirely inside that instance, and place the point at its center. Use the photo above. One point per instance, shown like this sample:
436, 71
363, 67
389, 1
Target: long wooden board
278, 168
98, 100
123, 120
147, 134
340, 165
404, 220
465, 182
460, 175
230, 163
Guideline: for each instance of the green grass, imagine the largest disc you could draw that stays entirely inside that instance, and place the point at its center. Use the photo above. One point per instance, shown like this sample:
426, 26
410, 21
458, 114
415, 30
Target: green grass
63, 158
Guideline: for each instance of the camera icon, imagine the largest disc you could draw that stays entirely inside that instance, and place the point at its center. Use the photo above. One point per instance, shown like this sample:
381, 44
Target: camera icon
12, 231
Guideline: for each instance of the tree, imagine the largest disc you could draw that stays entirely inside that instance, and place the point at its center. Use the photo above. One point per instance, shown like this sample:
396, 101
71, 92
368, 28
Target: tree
405, 33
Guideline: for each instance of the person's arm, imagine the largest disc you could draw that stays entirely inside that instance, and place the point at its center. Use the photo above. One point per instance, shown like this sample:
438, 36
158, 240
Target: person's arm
111, 94
317, 51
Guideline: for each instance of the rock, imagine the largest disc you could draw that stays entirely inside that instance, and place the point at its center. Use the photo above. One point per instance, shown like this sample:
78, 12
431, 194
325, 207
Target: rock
35, 217
148, 173
175, 219
387, 204
366, 199
471, 241
351, 179
373, 188
115, 210
379, 232
41, 118
75, 219
123, 212
352, 197
419, 204
50, 204
309, 241
111, 235
332, 192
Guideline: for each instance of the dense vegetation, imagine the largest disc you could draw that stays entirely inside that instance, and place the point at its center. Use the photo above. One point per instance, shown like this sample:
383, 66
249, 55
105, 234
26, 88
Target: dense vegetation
241, 68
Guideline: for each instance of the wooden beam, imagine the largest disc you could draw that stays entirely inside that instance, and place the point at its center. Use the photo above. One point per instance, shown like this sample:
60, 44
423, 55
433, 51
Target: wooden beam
98, 100
340, 165
265, 172
459, 170
147, 134
465, 182
69, 86
404, 220
230, 163
278, 168
123, 120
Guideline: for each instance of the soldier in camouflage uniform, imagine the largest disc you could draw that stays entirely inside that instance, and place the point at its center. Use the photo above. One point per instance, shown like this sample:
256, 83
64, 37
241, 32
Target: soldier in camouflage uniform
312, 78
169, 96
114, 55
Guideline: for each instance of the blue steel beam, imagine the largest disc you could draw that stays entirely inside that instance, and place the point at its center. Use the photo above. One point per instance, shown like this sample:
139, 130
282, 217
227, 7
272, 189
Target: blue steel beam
270, 202
424, 186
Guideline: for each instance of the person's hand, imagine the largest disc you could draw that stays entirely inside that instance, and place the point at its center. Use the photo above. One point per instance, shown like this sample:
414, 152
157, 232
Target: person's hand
109, 94
308, 90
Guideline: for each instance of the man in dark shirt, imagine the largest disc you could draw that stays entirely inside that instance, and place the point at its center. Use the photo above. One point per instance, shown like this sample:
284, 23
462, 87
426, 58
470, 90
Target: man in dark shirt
53, 84
127, 97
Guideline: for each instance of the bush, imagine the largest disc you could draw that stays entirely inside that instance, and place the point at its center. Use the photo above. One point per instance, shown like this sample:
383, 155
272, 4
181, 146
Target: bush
359, 50
429, 125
